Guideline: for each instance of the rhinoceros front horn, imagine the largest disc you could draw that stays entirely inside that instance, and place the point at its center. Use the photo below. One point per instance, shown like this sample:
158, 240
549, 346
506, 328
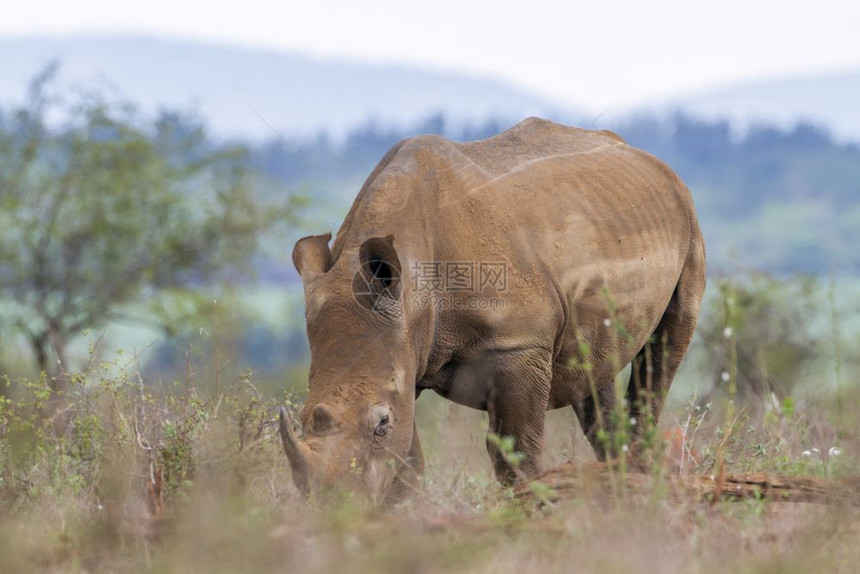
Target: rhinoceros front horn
296, 453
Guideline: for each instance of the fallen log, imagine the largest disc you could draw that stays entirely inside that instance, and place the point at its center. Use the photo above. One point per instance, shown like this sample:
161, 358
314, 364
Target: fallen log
604, 480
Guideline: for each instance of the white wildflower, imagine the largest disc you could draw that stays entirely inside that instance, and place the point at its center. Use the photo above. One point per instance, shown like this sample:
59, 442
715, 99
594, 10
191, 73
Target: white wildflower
835, 451
607, 322
725, 376
625, 448
633, 421
727, 332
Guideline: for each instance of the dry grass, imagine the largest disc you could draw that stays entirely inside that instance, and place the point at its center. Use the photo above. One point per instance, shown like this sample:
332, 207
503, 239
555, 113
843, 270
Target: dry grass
188, 476
162, 479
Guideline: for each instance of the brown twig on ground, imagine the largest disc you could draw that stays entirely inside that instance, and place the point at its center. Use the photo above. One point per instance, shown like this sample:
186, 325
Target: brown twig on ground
570, 480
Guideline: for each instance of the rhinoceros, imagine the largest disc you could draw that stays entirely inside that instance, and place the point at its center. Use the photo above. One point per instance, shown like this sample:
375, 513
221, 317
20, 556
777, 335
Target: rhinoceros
514, 274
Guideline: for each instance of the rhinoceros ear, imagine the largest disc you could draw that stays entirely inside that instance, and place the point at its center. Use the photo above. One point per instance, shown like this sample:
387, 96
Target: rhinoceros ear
380, 265
311, 256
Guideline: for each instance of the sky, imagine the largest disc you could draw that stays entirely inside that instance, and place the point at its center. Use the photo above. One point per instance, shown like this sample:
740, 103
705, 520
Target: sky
591, 54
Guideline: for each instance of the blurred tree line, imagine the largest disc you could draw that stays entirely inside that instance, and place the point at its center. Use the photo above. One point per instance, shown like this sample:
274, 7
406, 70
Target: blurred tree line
108, 216
358, 151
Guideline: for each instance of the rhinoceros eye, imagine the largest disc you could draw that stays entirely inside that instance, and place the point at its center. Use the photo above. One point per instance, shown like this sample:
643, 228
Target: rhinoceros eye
380, 420
382, 427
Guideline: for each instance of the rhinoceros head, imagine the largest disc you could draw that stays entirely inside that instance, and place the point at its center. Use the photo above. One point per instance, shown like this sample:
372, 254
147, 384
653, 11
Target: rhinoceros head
358, 417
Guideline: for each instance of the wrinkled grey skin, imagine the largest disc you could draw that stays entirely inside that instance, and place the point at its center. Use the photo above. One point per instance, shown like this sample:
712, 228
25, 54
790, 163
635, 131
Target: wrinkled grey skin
591, 232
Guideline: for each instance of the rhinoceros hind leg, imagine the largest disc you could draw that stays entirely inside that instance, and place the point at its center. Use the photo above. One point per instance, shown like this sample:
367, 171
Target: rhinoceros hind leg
655, 366
591, 423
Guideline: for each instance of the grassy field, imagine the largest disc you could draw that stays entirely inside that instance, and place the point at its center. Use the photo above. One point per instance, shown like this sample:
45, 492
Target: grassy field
187, 475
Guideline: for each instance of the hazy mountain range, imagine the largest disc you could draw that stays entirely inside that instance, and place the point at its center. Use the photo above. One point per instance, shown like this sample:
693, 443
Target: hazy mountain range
832, 100
294, 93
300, 94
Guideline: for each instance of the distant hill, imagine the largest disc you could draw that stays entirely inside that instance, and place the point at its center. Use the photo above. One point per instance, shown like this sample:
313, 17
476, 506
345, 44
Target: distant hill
294, 93
299, 94
831, 100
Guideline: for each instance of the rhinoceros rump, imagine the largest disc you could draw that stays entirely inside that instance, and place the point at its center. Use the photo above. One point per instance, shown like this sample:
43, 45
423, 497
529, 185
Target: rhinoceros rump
514, 274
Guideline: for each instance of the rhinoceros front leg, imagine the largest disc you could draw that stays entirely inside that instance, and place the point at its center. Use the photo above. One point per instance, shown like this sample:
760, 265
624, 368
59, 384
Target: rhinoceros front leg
516, 403
408, 478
